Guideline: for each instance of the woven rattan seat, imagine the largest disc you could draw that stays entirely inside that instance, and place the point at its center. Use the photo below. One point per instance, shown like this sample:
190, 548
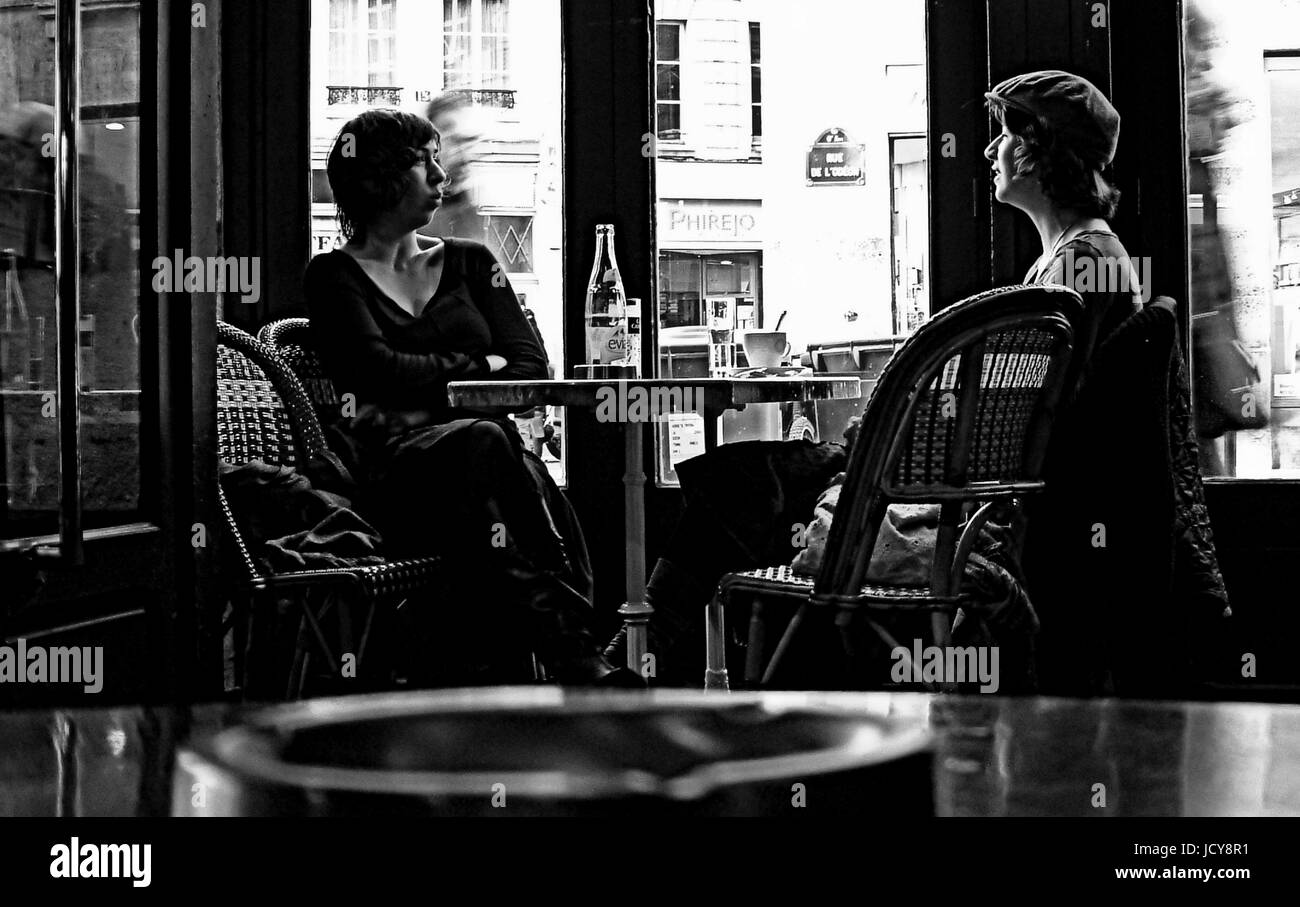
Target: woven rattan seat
263, 413
783, 580
960, 417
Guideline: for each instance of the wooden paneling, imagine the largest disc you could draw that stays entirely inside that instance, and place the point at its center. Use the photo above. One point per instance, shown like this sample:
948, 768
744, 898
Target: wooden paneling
1257, 536
266, 148
1151, 164
960, 194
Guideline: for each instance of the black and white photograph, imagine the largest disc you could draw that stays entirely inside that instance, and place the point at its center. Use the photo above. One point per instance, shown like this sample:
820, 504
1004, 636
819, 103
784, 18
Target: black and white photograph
866, 414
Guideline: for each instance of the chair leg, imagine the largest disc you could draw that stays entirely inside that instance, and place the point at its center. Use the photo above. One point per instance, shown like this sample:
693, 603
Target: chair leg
942, 626
297, 680
757, 643
715, 641
844, 623
240, 614
784, 644
346, 647
371, 614
313, 619
258, 680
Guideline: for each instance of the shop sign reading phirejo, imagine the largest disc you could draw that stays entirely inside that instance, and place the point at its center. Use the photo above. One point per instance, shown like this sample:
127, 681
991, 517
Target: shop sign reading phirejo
834, 160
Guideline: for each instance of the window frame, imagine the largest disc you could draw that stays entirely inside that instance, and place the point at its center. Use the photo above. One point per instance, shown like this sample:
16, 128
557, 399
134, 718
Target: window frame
475, 74
359, 37
674, 63
492, 211
756, 80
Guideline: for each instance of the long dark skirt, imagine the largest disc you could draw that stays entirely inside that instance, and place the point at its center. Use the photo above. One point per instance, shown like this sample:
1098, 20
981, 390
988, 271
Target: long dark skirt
519, 578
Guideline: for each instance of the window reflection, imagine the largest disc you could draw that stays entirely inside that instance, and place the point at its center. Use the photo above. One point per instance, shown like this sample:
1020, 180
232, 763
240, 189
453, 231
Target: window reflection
790, 172
1243, 107
108, 348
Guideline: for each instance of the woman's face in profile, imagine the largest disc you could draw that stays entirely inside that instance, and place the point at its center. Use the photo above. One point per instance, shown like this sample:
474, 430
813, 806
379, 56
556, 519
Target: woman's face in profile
424, 184
1008, 186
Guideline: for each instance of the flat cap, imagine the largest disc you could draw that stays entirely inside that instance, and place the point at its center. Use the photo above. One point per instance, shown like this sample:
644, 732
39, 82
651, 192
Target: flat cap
1070, 104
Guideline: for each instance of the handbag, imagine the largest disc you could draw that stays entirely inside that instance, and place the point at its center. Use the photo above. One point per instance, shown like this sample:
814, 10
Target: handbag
1228, 392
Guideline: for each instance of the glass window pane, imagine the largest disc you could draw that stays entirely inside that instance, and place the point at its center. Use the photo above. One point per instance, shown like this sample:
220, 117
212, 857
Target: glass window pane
455, 15
109, 336
669, 122
494, 16
668, 39
1243, 107
110, 277
791, 195
668, 83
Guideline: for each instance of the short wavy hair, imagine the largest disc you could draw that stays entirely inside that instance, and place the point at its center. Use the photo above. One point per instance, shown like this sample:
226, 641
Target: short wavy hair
1067, 180
368, 163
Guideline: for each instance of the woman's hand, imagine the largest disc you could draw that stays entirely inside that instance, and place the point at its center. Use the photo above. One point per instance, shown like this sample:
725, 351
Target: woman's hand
495, 363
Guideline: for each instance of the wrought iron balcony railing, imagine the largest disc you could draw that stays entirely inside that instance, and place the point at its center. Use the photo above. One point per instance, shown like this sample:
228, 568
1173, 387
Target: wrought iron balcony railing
364, 94
487, 97
391, 95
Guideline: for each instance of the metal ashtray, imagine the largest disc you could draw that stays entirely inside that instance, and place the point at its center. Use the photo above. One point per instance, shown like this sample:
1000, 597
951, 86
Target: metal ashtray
546, 751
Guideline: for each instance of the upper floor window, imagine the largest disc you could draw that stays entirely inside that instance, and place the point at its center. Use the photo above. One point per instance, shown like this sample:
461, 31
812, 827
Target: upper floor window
668, 80
475, 44
363, 42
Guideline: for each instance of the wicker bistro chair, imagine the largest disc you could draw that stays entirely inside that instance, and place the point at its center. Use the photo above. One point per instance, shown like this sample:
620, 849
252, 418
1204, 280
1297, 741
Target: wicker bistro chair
291, 339
960, 417
263, 413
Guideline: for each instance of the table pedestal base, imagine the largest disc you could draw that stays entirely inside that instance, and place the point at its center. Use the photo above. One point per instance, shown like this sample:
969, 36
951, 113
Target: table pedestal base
636, 619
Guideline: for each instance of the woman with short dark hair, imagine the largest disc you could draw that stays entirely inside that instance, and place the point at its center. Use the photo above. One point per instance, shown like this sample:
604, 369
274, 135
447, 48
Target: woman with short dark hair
396, 316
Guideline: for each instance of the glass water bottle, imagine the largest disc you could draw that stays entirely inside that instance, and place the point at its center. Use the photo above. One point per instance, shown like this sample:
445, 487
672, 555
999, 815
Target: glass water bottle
606, 308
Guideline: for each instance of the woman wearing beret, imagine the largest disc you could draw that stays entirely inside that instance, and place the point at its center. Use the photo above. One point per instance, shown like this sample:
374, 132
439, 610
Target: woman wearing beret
1052, 160
1119, 557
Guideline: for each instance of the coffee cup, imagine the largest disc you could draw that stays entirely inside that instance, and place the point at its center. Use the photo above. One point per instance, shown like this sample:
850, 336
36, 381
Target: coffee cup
765, 349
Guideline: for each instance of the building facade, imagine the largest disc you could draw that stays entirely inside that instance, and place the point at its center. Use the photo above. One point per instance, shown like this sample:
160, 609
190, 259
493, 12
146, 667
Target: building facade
791, 165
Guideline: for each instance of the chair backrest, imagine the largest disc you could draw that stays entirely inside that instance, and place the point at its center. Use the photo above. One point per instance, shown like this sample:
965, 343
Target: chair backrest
262, 414
291, 339
262, 410
961, 414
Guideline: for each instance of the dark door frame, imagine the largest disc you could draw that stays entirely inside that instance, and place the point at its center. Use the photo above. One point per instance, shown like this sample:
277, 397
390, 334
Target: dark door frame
143, 589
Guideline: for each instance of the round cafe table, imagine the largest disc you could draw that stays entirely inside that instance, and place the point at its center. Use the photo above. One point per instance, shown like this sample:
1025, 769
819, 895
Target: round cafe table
632, 403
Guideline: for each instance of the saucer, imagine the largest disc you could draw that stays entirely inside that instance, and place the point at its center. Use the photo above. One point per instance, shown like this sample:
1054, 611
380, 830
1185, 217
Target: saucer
772, 371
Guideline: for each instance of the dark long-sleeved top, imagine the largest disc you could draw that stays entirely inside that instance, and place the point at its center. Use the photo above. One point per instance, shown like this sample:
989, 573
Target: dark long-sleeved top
378, 351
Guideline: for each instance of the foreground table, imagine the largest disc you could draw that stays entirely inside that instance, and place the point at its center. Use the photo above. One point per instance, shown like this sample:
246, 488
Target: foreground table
631, 403
1033, 756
